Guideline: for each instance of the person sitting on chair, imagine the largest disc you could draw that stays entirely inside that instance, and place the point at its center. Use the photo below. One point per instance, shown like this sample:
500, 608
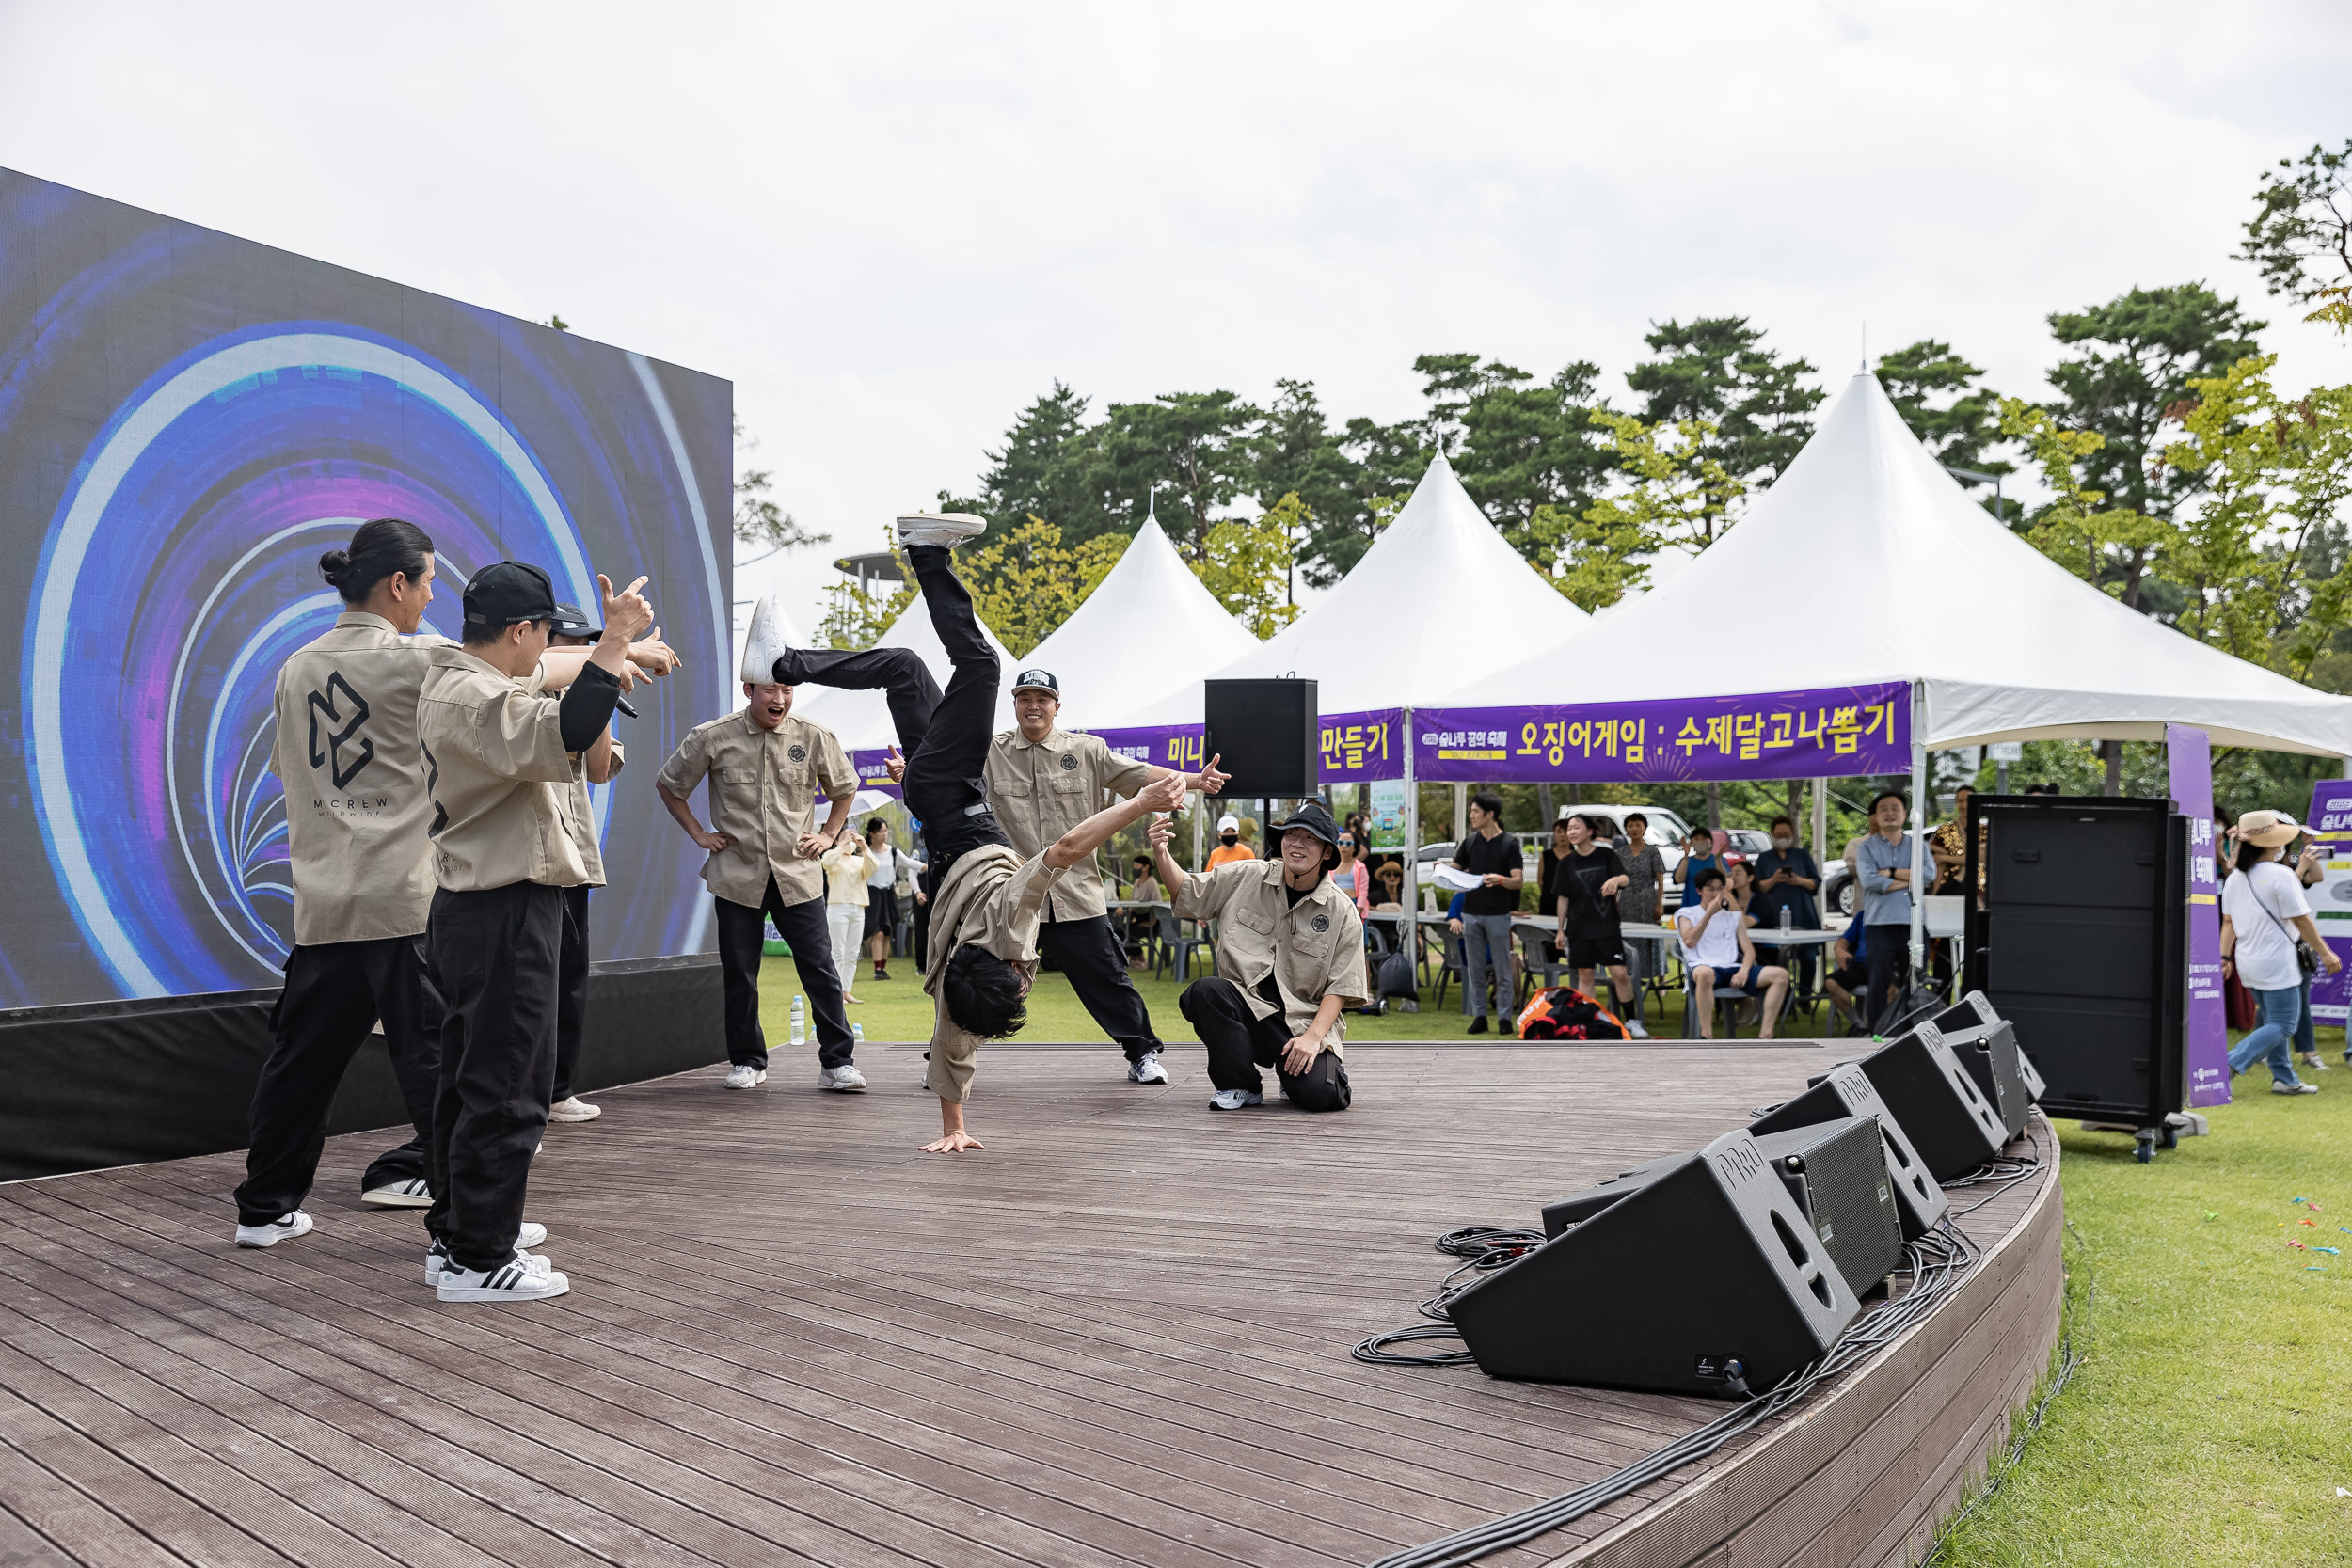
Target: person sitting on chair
1290, 956
1716, 947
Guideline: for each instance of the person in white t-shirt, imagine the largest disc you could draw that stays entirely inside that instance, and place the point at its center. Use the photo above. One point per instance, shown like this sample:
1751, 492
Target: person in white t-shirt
2262, 913
1716, 948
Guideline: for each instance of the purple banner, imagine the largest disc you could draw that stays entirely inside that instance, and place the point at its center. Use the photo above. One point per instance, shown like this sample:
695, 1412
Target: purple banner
872, 773
1172, 746
2189, 755
2331, 822
1834, 733
1357, 747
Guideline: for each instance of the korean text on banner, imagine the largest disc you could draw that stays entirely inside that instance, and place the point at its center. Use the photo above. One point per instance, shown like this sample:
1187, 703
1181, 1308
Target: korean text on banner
1361, 746
1175, 746
1775, 735
2189, 756
2331, 822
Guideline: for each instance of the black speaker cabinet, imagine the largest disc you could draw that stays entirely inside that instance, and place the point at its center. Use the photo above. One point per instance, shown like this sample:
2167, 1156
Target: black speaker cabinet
1947, 1118
2080, 942
1975, 1009
1836, 1173
1845, 1090
1703, 1275
1986, 1047
1269, 733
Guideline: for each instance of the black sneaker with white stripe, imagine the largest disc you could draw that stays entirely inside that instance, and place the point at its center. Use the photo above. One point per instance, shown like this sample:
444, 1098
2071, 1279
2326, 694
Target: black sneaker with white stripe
522, 1277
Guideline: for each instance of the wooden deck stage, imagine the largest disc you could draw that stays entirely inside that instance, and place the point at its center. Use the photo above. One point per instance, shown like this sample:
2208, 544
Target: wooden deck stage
1120, 1336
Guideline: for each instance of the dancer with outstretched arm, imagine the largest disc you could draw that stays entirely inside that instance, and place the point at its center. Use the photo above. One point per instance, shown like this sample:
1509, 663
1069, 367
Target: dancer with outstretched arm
986, 898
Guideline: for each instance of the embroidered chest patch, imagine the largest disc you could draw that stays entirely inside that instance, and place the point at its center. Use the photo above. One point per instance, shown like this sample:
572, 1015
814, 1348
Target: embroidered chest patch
1068, 763
1321, 923
798, 753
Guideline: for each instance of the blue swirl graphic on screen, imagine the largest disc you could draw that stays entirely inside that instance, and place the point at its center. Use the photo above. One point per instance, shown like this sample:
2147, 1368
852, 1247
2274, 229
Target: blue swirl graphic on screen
180, 570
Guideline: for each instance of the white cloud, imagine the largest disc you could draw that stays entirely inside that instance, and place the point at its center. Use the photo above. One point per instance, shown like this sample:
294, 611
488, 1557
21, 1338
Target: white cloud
892, 229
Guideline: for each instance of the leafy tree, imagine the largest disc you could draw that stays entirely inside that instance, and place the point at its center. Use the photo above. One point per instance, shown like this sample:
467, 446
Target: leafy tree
857, 612
2135, 356
1051, 466
758, 520
1521, 450
2300, 234
1027, 581
1245, 564
1678, 496
1938, 395
2277, 472
2114, 548
1715, 370
1197, 445
1298, 454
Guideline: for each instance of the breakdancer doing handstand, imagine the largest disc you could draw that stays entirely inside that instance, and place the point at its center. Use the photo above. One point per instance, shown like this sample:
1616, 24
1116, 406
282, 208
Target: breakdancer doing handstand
986, 900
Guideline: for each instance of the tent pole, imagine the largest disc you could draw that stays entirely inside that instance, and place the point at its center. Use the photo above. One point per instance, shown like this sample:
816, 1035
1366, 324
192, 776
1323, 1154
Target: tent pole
1918, 850
1820, 846
1412, 841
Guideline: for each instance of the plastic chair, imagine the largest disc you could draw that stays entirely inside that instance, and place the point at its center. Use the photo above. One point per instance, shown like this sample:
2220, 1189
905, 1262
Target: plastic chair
1532, 962
1173, 948
1727, 1015
1449, 964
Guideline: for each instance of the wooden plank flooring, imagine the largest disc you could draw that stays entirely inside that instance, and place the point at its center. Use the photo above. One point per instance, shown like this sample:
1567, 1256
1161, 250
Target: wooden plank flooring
1120, 1336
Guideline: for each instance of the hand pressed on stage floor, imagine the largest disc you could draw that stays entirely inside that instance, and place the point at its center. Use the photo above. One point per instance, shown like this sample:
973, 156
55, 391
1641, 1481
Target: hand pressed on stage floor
952, 1139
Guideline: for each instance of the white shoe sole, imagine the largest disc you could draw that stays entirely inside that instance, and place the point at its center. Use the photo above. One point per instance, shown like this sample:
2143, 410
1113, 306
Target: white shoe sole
763, 644
831, 1087
760, 1078
392, 1197
270, 1235
539, 1287
591, 1113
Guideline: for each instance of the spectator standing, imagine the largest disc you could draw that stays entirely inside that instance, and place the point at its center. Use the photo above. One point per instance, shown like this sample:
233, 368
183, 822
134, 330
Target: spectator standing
1229, 845
2263, 909
1583, 889
848, 865
1786, 880
881, 895
1494, 856
1886, 871
1698, 854
1948, 844
1351, 876
1644, 886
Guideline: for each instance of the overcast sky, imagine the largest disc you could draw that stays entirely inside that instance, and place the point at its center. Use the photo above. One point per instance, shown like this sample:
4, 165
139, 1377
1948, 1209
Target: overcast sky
891, 227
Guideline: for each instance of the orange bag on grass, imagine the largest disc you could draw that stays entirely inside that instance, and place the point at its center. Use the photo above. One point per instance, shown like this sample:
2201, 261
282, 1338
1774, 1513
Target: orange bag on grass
1565, 1013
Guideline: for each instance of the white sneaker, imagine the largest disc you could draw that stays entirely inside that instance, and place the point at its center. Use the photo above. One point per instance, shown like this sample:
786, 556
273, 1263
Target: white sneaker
845, 1079
285, 1228
1634, 1031
1145, 1069
764, 644
520, 1278
437, 1255
746, 1076
572, 1108
411, 1193
2275, 1087
1234, 1100
945, 529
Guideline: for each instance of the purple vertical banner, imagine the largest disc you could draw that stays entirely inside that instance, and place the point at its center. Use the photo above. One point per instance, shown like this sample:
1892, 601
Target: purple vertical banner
2189, 755
2331, 822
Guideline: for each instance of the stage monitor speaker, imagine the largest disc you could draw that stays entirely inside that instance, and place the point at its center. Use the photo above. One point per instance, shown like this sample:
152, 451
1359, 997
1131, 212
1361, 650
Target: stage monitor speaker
2079, 940
1986, 1047
1975, 1009
1703, 1278
1844, 1091
1946, 1118
1836, 1173
1269, 734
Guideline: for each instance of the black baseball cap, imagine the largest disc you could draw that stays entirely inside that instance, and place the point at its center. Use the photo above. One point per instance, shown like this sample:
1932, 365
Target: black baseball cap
1034, 679
1315, 818
509, 592
571, 621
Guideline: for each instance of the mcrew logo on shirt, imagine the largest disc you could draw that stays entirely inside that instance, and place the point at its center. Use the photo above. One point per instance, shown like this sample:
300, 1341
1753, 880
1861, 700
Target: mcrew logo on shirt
332, 758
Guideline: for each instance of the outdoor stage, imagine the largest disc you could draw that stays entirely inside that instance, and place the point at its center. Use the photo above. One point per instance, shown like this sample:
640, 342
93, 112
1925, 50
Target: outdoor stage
1120, 1336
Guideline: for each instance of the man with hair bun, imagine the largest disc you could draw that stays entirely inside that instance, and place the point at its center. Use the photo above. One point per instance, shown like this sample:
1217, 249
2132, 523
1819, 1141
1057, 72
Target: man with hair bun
358, 810
987, 899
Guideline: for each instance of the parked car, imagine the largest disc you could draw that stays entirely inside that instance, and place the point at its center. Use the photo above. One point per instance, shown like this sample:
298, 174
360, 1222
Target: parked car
1750, 842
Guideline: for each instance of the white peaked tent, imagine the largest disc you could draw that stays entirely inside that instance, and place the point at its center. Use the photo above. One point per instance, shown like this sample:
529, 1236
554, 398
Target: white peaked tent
861, 719
1998, 642
1147, 630
1439, 591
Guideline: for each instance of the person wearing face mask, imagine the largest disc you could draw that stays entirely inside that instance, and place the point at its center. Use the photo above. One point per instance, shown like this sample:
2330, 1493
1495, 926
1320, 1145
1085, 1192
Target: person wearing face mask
1229, 845
1786, 878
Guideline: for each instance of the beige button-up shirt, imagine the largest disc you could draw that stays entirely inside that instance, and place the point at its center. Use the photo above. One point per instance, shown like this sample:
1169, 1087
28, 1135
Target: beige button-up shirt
764, 785
1042, 789
1314, 949
497, 771
356, 805
579, 813
994, 899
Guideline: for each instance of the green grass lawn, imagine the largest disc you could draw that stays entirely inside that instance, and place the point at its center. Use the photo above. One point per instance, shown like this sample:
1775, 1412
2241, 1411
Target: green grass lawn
2211, 1423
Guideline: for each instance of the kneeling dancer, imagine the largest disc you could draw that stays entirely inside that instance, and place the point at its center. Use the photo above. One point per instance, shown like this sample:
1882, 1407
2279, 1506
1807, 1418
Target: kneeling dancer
1290, 955
498, 753
987, 899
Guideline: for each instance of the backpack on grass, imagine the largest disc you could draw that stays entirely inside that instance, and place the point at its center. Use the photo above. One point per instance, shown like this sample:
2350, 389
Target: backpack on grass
1565, 1013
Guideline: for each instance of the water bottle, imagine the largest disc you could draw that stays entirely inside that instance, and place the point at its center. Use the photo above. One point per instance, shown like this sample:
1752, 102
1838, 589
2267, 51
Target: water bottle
1787, 919
799, 1022
857, 1034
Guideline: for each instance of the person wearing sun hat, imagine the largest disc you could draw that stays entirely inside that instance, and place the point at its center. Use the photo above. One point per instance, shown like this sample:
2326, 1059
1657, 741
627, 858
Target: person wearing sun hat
2262, 913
